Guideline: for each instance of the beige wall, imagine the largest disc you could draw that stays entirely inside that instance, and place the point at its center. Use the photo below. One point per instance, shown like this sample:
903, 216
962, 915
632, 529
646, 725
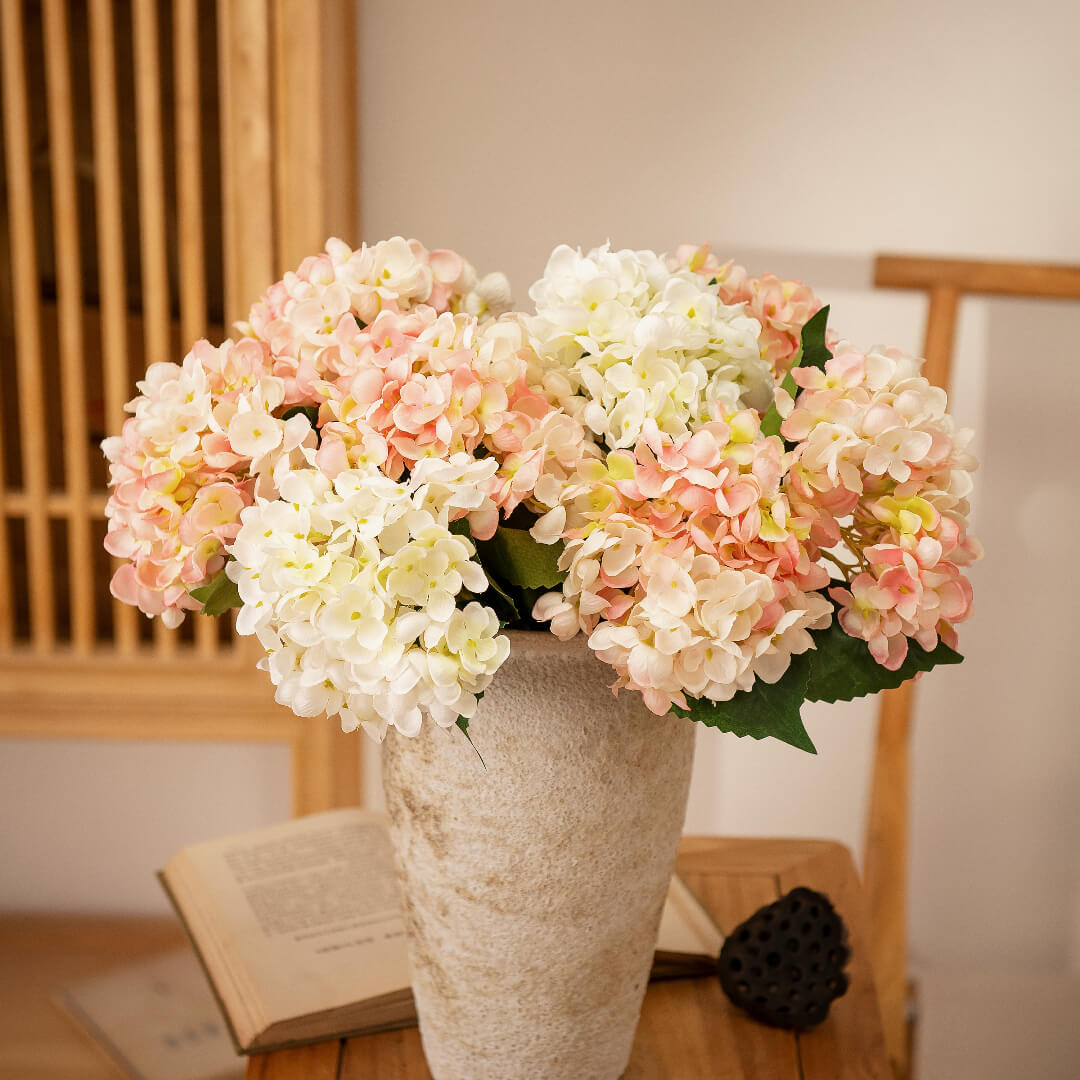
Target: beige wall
801, 138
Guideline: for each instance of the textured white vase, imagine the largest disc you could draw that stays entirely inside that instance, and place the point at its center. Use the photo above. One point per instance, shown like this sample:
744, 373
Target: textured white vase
533, 886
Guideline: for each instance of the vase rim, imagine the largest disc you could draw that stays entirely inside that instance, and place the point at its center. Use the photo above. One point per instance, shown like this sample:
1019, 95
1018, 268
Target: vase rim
543, 641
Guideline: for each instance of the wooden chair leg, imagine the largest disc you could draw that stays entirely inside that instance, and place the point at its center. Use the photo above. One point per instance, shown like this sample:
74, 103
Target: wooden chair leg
885, 872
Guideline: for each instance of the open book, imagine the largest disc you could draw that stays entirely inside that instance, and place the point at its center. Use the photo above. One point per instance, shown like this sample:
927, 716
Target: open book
299, 929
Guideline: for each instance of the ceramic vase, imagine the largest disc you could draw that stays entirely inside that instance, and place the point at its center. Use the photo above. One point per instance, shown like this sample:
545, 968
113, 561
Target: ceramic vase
533, 879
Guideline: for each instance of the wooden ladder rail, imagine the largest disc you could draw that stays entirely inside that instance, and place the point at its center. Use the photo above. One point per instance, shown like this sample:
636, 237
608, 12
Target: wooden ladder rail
946, 282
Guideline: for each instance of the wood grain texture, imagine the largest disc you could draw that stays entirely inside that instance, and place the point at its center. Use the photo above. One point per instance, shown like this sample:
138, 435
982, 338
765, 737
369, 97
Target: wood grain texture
153, 249
887, 843
689, 1029
39, 954
27, 302
851, 1043
727, 1039
61, 697
393, 1055
326, 767
888, 817
340, 123
191, 246
245, 61
69, 302
302, 165
7, 569
108, 207
317, 1062
1044, 280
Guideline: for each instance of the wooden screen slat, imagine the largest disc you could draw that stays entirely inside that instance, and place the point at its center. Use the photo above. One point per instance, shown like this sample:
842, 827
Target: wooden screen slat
340, 98
189, 210
300, 160
7, 610
247, 168
57, 503
110, 245
314, 123
69, 291
27, 302
153, 252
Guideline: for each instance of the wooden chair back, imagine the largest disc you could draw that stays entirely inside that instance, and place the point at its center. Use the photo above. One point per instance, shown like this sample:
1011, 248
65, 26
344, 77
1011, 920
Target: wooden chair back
946, 281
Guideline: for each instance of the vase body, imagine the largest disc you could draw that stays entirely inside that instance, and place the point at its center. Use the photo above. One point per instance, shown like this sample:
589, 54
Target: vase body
533, 883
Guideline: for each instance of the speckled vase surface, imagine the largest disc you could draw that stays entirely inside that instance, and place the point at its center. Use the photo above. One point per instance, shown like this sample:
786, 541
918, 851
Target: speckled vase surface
533, 886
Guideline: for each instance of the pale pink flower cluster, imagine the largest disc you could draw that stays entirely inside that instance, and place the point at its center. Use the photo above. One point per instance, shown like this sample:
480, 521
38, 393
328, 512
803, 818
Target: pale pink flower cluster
889, 474
211, 433
377, 396
203, 436
312, 314
415, 386
686, 564
781, 307
871, 484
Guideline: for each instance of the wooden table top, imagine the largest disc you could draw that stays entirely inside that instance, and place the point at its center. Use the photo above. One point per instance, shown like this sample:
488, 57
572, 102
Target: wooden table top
689, 1030
41, 953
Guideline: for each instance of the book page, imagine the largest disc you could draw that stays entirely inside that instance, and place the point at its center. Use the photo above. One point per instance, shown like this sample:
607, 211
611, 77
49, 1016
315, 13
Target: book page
156, 1019
308, 911
685, 926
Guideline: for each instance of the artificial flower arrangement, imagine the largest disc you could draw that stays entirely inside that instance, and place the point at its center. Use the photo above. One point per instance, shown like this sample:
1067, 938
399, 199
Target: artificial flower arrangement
387, 467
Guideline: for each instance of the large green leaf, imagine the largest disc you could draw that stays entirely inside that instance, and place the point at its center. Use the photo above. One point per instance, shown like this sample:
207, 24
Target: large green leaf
219, 596
814, 350
766, 711
517, 559
840, 668
844, 669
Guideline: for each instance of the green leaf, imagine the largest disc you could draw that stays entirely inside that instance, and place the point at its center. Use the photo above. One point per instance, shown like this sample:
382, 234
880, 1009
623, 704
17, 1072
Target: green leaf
517, 559
812, 353
219, 596
312, 414
771, 421
843, 667
766, 711
500, 601
462, 723
840, 668
814, 350
310, 411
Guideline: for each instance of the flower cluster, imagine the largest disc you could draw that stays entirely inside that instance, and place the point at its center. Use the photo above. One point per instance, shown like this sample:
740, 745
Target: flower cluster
882, 461
782, 308
342, 465
626, 339
686, 564
186, 463
210, 433
352, 587
421, 386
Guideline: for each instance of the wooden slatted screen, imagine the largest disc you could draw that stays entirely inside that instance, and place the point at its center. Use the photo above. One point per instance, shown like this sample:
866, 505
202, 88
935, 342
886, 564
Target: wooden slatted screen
151, 192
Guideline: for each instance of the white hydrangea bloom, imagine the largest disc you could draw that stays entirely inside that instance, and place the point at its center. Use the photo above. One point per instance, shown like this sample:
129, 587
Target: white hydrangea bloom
352, 586
626, 339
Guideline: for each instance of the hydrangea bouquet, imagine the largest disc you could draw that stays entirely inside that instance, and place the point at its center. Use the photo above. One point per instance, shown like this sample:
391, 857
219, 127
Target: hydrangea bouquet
387, 467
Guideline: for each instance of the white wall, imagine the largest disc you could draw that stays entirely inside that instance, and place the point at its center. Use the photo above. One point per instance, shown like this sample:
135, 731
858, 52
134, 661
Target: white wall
800, 138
